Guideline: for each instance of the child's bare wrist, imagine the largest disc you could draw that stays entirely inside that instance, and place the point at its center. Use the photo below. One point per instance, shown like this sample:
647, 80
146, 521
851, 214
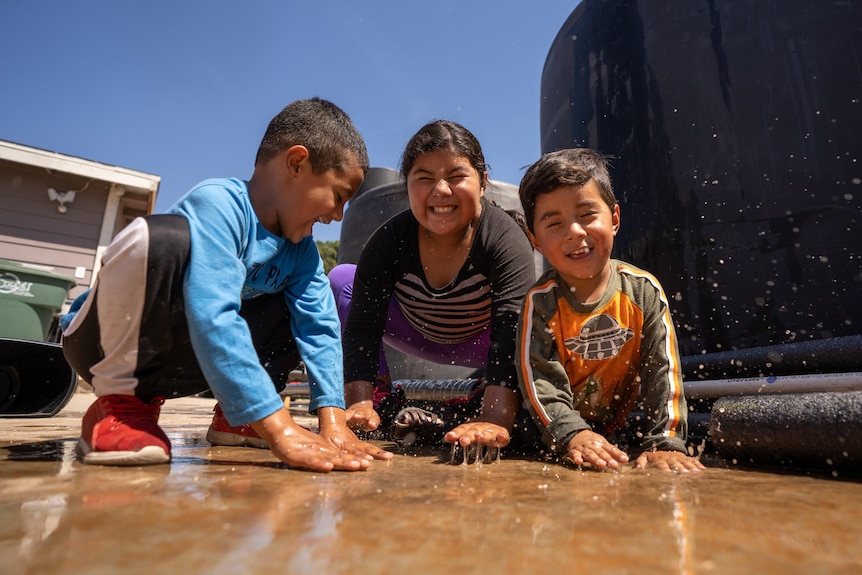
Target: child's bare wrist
357, 391
360, 404
331, 418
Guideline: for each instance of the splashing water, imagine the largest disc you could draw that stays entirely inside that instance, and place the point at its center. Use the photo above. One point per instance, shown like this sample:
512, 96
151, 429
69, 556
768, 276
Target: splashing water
476, 454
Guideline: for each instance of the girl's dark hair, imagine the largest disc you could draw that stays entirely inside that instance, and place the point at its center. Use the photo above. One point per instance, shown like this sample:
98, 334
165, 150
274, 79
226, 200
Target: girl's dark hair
569, 167
444, 135
322, 127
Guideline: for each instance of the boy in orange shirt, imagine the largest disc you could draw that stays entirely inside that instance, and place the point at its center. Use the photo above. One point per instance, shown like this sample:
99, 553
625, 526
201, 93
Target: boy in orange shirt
595, 334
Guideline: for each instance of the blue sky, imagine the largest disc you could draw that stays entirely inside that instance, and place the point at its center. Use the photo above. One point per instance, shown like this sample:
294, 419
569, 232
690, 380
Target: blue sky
185, 89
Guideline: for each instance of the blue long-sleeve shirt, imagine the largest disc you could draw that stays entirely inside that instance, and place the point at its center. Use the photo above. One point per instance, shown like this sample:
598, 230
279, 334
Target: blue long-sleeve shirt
234, 258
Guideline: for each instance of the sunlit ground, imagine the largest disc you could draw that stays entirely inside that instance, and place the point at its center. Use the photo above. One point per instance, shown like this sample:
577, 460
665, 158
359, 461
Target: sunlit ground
236, 510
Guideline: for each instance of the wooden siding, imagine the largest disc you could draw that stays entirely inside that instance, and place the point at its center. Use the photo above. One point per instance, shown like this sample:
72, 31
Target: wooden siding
67, 242
33, 231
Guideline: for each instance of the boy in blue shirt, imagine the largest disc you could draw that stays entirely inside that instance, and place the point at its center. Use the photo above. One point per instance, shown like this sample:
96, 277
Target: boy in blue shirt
226, 291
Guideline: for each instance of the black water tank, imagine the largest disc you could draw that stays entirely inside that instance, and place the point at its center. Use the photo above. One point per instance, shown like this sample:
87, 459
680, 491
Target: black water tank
381, 196
737, 131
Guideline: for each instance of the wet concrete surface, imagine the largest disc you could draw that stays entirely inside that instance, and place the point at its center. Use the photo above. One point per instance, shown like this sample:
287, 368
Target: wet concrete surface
237, 510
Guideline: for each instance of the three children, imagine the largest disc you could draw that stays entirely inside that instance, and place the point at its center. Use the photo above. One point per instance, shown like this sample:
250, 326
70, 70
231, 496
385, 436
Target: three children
226, 291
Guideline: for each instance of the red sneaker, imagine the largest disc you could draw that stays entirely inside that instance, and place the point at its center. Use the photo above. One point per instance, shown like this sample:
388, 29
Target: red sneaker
123, 430
222, 433
381, 391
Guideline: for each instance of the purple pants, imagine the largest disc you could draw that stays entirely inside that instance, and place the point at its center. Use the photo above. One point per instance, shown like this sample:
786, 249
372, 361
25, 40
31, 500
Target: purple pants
401, 335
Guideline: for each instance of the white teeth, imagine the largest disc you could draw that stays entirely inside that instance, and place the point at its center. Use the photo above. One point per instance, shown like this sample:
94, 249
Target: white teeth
582, 251
442, 209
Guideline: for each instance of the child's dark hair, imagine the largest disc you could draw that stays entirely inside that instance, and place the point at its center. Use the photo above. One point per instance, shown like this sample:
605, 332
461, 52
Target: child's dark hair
569, 167
444, 135
320, 126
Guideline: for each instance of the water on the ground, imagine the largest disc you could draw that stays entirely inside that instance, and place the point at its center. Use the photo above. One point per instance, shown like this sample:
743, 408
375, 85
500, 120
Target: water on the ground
238, 511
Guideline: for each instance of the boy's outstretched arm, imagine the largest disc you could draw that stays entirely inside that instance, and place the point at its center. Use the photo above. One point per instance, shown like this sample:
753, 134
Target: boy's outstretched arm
333, 428
662, 392
493, 427
299, 447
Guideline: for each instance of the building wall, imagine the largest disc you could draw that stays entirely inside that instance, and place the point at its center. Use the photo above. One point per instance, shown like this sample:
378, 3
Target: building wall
34, 231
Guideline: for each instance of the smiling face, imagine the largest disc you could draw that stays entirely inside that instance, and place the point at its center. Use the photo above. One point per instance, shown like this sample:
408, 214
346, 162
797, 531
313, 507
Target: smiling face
314, 198
445, 192
574, 228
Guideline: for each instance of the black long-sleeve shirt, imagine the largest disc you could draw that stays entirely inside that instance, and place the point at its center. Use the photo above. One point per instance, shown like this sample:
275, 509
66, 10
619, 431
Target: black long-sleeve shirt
487, 291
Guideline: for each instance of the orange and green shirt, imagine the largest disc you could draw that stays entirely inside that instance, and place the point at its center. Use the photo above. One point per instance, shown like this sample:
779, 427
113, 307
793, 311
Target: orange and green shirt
585, 366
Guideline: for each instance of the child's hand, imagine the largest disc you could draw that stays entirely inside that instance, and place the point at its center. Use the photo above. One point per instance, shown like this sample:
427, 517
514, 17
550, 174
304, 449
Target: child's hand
590, 447
361, 415
299, 447
333, 428
669, 461
481, 432
491, 428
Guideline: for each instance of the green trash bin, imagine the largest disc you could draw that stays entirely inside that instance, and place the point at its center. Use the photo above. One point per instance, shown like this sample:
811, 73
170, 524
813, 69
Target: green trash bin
30, 298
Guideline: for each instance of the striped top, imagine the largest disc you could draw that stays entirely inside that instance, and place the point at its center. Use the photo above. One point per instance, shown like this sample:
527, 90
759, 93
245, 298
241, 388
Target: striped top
451, 315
